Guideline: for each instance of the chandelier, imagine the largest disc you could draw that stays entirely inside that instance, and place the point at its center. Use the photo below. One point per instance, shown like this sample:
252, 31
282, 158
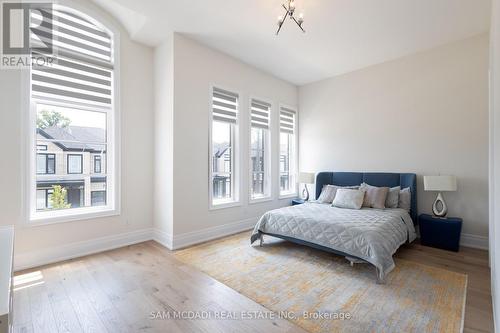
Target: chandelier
290, 12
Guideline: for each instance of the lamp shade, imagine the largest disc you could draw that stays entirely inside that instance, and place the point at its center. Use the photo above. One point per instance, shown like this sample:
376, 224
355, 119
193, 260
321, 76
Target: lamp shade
306, 177
440, 183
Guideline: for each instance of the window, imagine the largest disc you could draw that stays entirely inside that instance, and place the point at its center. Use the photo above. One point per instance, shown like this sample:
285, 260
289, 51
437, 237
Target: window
287, 157
259, 150
223, 162
45, 164
97, 164
98, 198
44, 199
75, 163
73, 118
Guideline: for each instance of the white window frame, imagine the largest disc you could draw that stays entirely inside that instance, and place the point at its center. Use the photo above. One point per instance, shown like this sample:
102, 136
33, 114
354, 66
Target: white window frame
236, 152
113, 139
293, 193
268, 181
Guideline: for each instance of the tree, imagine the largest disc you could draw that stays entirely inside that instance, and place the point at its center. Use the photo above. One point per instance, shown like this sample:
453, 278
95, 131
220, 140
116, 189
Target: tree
58, 198
51, 118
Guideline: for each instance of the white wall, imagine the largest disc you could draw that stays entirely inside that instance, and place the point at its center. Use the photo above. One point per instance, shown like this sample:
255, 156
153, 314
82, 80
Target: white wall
163, 141
495, 160
136, 160
426, 113
196, 68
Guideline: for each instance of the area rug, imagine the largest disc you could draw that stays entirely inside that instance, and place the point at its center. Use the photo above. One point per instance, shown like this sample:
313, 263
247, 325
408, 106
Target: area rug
321, 292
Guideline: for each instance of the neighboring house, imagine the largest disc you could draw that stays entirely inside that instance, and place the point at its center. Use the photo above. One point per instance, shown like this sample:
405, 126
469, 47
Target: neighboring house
221, 161
222, 171
62, 159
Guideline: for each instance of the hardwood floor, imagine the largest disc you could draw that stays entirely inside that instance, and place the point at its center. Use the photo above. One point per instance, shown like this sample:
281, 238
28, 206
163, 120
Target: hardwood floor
119, 290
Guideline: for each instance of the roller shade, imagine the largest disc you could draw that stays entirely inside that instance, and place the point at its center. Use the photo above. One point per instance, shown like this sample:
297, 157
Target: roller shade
260, 114
82, 68
287, 120
224, 106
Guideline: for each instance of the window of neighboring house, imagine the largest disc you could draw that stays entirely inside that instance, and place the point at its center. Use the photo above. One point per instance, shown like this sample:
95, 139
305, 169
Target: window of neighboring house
75, 163
259, 150
44, 199
97, 164
45, 164
72, 104
288, 153
98, 198
223, 146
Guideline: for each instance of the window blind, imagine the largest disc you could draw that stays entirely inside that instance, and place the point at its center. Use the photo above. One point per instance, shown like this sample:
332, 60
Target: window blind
82, 68
224, 106
260, 114
287, 120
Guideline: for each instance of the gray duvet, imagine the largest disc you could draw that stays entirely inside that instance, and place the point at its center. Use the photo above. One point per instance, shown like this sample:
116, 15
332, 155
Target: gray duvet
370, 234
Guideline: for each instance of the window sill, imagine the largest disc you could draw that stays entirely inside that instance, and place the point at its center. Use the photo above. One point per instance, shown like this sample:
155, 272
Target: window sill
289, 195
260, 200
77, 214
224, 205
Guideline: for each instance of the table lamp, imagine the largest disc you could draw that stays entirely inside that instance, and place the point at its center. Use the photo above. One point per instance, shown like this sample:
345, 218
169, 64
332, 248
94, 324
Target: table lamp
306, 178
440, 184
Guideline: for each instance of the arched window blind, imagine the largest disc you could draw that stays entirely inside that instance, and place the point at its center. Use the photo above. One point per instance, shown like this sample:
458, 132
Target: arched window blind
82, 69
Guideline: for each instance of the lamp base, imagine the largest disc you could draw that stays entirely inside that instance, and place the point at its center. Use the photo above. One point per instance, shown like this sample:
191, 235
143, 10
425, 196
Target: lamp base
305, 193
439, 208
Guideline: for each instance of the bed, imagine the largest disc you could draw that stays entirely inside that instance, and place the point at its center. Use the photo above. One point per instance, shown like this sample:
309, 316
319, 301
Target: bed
367, 235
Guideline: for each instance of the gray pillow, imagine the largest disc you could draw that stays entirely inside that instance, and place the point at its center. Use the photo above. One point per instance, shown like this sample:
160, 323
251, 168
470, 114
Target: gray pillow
392, 199
328, 193
348, 198
375, 196
405, 199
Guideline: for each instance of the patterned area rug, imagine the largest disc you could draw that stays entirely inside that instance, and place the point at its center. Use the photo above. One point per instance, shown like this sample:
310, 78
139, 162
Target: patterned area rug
321, 292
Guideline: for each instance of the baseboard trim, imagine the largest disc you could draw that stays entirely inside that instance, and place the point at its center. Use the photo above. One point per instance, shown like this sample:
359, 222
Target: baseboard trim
79, 249
163, 238
474, 241
204, 235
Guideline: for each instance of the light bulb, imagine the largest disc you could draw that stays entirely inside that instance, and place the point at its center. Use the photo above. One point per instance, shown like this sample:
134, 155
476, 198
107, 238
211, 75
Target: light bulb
280, 19
301, 18
292, 4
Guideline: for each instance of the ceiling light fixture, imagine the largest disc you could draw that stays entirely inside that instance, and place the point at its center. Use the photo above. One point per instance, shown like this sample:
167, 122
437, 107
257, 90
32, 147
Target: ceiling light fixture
290, 11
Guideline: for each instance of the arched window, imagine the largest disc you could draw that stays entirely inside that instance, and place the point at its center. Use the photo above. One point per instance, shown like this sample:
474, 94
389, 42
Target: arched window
73, 158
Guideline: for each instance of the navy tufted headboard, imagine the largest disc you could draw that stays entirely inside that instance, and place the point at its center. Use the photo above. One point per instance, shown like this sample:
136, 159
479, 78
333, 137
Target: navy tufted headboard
373, 178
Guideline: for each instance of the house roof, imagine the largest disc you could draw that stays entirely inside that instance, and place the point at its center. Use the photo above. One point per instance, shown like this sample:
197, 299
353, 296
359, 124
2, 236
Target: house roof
76, 138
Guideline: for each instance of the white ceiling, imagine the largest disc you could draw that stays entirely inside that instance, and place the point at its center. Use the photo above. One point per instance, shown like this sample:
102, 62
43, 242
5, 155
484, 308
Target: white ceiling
342, 35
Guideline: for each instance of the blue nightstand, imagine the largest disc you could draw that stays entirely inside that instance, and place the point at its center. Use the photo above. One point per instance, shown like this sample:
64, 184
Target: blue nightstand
439, 232
296, 202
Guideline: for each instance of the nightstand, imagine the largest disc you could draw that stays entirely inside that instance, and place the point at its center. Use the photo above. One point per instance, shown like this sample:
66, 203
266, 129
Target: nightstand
443, 233
296, 202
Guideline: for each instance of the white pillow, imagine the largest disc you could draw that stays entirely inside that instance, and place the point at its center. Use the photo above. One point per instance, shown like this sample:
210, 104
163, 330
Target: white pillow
347, 198
405, 199
328, 193
392, 199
